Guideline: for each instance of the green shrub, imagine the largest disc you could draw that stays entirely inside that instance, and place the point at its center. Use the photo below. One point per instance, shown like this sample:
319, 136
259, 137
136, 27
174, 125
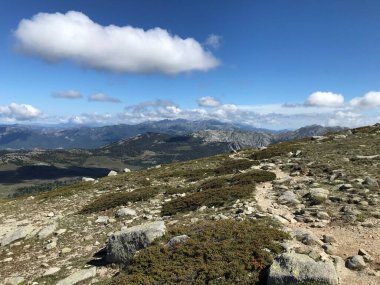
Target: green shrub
274, 150
210, 197
190, 175
178, 190
217, 252
66, 191
252, 177
112, 200
233, 166
218, 182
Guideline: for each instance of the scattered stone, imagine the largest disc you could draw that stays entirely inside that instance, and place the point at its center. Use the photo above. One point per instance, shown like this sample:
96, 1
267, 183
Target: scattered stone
306, 237
318, 195
202, 209
126, 170
88, 179
112, 173
367, 156
102, 220
371, 183
51, 271
288, 197
122, 212
13, 281
329, 249
280, 219
65, 250
344, 187
356, 262
60, 232
176, 240
78, 276
121, 246
47, 231
328, 239
52, 244
366, 256
294, 268
323, 216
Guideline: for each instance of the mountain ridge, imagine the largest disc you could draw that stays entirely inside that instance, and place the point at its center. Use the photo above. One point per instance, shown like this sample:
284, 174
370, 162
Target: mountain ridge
30, 137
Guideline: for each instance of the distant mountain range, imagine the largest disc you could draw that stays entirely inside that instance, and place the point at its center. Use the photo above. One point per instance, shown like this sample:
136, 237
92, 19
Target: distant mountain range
238, 136
54, 155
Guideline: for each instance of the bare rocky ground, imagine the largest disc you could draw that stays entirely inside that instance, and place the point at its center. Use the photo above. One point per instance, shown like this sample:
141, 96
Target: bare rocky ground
325, 195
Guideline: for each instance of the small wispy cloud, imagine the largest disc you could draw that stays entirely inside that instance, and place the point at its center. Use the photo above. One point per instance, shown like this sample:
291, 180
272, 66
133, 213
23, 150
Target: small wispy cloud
213, 41
69, 94
101, 97
208, 101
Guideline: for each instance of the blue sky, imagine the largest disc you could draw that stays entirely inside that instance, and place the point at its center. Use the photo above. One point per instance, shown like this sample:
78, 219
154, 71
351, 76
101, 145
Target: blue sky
238, 61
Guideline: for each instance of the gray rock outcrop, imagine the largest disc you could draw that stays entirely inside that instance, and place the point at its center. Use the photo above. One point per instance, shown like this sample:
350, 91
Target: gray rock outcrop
78, 276
294, 268
122, 245
19, 233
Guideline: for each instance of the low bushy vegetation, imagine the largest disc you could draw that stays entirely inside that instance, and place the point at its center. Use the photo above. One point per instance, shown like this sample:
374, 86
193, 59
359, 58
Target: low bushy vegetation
67, 190
250, 177
233, 166
217, 252
112, 200
188, 175
274, 150
178, 190
210, 197
214, 183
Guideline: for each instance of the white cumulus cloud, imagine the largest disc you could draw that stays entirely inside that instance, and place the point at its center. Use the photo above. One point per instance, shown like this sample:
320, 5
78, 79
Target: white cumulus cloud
369, 100
208, 101
19, 112
70, 94
74, 36
101, 97
324, 99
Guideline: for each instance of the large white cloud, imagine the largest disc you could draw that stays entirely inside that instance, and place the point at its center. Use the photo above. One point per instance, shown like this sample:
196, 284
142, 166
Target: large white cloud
76, 37
369, 100
325, 99
208, 101
101, 97
19, 112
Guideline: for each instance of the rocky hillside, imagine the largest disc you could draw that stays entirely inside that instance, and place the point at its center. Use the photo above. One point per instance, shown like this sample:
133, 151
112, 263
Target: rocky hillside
300, 212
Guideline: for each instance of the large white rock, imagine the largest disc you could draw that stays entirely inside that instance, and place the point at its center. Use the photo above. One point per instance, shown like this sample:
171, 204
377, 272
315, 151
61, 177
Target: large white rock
294, 268
122, 245
51, 271
78, 276
112, 173
47, 231
12, 281
319, 195
19, 233
88, 179
122, 212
